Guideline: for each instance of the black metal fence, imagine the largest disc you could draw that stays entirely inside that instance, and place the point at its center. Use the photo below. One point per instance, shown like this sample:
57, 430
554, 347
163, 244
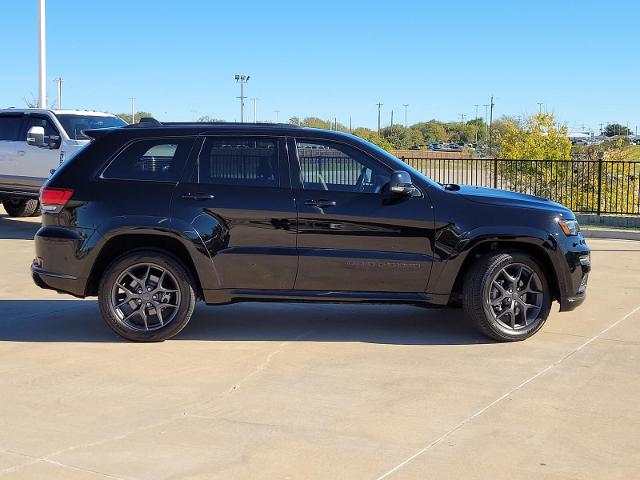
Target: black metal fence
585, 186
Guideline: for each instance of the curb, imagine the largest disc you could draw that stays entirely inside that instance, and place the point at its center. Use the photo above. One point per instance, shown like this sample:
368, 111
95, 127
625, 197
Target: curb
610, 233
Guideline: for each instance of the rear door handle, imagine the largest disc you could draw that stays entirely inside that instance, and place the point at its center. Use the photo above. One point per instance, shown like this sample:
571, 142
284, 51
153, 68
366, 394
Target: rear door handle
321, 203
198, 196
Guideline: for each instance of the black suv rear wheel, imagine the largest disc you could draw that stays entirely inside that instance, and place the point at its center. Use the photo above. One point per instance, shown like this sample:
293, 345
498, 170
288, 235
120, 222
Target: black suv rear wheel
507, 296
146, 296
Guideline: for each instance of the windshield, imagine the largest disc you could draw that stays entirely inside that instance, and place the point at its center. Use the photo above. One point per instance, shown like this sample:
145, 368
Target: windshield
75, 124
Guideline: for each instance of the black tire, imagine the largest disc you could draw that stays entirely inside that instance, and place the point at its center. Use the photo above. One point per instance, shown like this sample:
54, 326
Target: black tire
158, 261
22, 207
480, 292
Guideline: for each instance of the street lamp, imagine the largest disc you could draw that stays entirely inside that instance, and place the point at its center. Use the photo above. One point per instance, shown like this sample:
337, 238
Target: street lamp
242, 79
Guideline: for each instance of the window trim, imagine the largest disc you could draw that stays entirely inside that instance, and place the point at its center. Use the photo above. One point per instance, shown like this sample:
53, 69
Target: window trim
126, 145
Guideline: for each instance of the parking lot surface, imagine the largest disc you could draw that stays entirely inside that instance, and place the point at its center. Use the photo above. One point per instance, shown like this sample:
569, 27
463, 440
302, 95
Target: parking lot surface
303, 391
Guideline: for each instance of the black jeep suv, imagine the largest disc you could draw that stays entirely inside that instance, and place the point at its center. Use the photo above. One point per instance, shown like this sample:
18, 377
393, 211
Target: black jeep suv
152, 217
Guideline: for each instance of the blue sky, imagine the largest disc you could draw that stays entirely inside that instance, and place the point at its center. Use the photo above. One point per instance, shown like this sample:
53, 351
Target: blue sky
331, 58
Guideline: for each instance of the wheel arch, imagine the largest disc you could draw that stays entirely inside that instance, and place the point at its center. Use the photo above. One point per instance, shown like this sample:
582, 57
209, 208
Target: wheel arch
128, 242
537, 252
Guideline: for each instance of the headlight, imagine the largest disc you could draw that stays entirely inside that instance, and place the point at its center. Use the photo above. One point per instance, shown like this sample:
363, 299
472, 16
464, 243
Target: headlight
569, 227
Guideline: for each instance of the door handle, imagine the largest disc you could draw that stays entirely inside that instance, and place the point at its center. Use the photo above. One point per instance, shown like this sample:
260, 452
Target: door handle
199, 197
21, 153
321, 203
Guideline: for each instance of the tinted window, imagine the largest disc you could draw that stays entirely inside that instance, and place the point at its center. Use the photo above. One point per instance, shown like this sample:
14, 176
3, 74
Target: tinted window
158, 159
10, 128
74, 125
335, 167
239, 161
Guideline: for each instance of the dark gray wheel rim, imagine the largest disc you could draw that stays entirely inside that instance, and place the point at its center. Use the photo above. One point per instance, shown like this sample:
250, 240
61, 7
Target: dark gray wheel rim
515, 297
145, 297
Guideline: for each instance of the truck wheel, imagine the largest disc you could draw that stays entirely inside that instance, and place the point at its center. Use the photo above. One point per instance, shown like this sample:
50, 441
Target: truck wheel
22, 207
146, 296
507, 296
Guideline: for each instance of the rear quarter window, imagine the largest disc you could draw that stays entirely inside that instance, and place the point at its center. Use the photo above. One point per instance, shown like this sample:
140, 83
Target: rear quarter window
160, 160
10, 128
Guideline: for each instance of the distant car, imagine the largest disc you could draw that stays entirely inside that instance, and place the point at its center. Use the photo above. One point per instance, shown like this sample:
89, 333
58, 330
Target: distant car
33, 142
152, 217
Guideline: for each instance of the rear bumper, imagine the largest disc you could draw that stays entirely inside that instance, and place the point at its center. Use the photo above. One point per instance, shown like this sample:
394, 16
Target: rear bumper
59, 282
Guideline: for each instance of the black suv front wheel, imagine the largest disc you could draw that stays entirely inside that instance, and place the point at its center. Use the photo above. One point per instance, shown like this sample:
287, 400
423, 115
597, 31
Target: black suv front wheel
507, 296
146, 296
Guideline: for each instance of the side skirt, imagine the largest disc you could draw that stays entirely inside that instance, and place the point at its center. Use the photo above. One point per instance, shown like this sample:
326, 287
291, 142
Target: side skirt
218, 297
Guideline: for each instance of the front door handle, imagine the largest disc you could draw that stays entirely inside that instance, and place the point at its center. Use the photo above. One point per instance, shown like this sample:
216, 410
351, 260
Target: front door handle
321, 203
198, 196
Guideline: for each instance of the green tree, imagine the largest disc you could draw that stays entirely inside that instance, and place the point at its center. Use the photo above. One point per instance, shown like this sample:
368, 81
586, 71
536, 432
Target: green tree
537, 138
616, 129
432, 131
402, 138
373, 137
127, 116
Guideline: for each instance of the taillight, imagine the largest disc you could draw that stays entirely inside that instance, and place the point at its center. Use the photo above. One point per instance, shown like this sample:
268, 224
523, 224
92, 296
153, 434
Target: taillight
52, 200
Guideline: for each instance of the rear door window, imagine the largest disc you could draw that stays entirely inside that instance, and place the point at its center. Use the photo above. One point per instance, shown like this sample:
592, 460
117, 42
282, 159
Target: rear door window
10, 126
160, 160
243, 161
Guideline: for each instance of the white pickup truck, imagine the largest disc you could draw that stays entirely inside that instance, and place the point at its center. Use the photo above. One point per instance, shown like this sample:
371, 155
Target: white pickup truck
33, 142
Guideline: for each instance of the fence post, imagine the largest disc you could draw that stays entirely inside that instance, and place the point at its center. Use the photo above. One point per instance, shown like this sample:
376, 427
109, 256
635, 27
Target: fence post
495, 173
599, 209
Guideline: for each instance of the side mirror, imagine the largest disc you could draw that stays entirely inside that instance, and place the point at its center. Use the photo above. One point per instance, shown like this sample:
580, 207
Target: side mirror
400, 184
35, 137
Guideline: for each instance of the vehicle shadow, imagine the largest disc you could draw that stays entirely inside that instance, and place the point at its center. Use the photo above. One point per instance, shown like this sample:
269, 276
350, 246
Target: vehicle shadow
80, 321
12, 229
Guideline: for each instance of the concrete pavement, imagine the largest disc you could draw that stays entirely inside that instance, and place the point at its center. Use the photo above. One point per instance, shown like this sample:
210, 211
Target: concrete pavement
318, 391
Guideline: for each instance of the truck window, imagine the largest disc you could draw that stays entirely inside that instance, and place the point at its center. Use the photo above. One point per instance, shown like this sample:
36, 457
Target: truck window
74, 124
10, 128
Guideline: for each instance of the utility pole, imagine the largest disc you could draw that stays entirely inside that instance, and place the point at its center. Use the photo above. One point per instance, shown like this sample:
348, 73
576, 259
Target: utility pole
242, 79
277, 116
601, 129
59, 81
486, 122
351, 131
133, 109
476, 121
42, 97
379, 107
255, 109
462, 115
406, 124
491, 126
392, 118
540, 107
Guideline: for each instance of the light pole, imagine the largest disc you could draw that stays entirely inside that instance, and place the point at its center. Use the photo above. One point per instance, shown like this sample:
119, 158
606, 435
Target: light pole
540, 107
59, 81
133, 109
255, 109
379, 107
406, 124
242, 79
42, 97
277, 116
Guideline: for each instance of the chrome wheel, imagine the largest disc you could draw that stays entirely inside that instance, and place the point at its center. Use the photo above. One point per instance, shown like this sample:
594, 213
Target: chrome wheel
515, 296
145, 297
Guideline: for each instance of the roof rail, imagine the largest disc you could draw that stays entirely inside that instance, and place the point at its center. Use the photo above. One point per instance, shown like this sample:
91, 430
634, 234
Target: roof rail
152, 122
